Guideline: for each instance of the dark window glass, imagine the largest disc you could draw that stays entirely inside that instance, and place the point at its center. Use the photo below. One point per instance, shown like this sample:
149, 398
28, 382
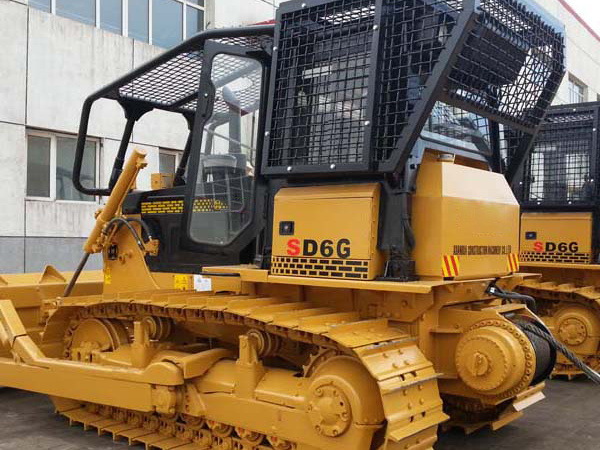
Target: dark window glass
225, 172
138, 19
167, 162
81, 10
65, 157
111, 15
167, 23
197, 2
194, 21
38, 166
44, 5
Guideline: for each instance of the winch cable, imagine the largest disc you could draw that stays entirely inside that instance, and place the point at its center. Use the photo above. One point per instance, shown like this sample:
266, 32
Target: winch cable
587, 370
546, 335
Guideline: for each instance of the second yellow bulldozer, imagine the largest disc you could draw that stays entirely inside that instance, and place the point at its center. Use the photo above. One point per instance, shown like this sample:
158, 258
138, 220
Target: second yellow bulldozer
558, 191
324, 269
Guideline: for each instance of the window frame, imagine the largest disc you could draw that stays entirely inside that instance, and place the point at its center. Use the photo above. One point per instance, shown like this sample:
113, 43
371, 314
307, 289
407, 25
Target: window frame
168, 151
125, 17
576, 84
53, 160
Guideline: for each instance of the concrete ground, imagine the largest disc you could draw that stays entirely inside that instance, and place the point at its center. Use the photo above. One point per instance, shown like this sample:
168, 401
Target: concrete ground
568, 419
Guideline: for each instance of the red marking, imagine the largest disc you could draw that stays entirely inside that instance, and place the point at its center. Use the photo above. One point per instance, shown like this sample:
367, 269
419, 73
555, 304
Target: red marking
513, 262
538, 247
453, 258
293, 247
448, 269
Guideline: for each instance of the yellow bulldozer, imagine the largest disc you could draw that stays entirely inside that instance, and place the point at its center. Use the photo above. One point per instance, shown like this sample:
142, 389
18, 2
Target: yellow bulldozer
558, 191
332, 265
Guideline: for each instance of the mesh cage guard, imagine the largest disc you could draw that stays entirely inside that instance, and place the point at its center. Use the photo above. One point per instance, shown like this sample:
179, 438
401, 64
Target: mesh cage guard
354, 81
561, 172
169, 82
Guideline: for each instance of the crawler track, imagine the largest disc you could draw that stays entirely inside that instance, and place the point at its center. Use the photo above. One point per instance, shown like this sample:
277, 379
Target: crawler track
407, 380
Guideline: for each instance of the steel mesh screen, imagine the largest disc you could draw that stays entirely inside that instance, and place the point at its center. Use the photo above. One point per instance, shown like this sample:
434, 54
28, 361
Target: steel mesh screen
559, 170
414, 33
321, 84
511, 63
355, 78
173, 85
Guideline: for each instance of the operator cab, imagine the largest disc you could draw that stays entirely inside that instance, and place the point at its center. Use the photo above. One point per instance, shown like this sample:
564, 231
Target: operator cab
217, 81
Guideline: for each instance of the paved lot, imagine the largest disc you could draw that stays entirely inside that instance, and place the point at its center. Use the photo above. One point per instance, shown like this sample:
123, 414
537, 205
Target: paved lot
569, 419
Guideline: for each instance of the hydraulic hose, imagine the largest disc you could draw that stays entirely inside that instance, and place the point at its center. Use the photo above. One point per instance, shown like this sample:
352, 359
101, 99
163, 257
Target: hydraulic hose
142, 224
106, 230
75, 277
125, 222
512, 296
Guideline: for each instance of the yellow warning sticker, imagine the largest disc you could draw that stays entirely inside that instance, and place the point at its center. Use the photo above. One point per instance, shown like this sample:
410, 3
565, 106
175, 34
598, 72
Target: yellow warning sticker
513, 262
450, 266
107, 276
181, 282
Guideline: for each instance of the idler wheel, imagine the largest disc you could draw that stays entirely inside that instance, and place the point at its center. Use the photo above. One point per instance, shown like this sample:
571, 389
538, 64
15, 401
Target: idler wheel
329, 410
577, 324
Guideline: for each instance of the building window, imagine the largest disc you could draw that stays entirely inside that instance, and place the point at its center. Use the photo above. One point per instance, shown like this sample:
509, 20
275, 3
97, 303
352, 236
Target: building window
164, 23
167, 23
168, 160
139, 16
81, 10
44, 5
111, 15
194, 21
38, 166
50, 159
577, 91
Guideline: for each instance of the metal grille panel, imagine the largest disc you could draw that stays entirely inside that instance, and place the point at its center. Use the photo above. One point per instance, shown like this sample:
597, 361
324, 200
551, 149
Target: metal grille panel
510, 63
560, 169
567, 258
320, 268
173, 84
355, 80
321, 84
414, 33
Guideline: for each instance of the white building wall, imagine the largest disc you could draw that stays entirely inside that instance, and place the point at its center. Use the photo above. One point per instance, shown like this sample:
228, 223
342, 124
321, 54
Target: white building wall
233, 13
583, 52
50, 64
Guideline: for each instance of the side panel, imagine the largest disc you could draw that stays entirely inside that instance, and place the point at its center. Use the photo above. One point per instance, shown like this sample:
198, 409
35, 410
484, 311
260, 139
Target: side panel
556, 238
327, 231
465, 222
